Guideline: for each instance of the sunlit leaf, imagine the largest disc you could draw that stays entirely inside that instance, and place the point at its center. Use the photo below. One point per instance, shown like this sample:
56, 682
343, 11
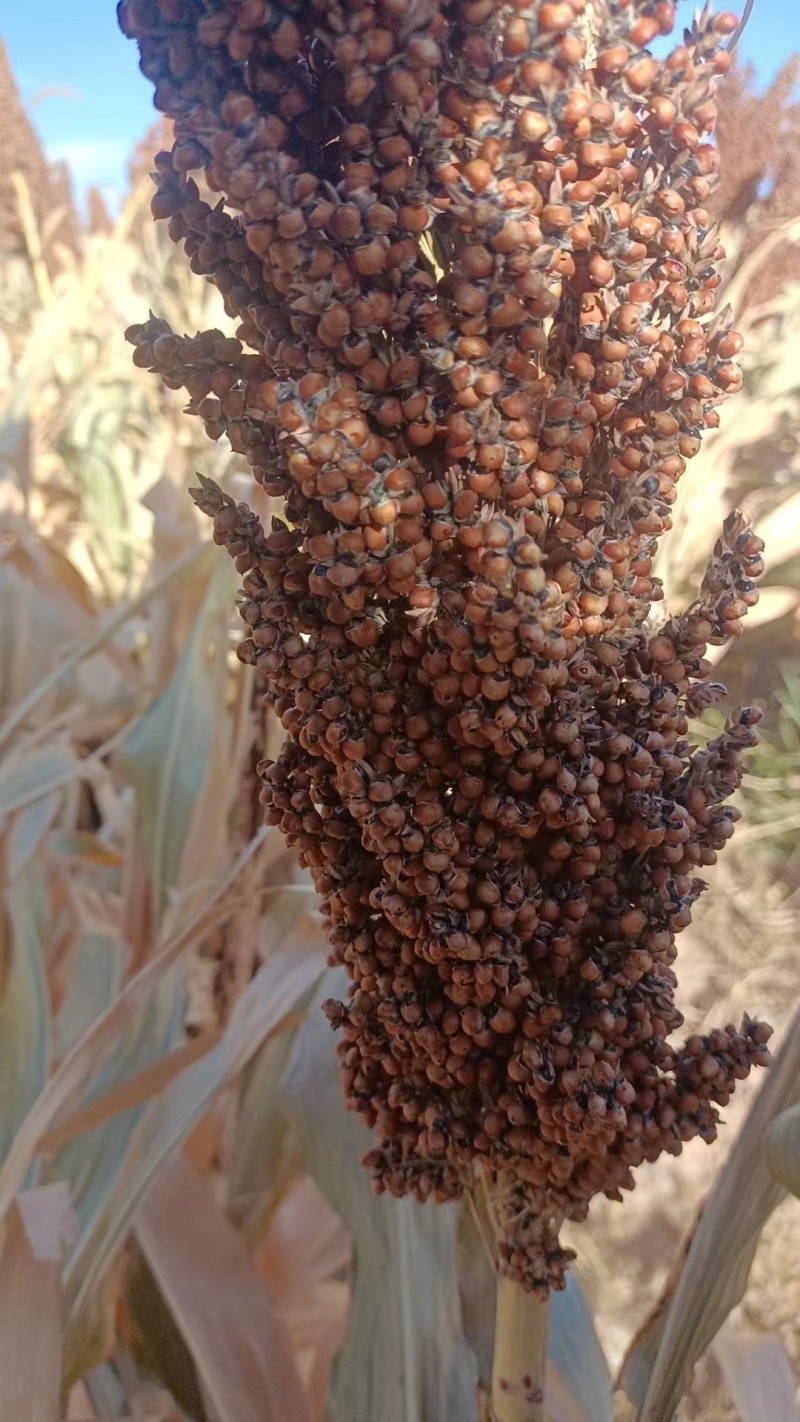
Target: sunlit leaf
175, 574
781, 532
166, 755
758, 1373
33, 632
579, 1387
139, 1087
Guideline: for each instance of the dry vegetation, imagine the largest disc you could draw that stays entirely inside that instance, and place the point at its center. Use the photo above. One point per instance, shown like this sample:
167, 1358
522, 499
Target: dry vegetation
169, 1111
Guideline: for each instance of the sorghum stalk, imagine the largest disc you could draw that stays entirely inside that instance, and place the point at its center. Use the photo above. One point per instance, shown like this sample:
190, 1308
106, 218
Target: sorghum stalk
474, 279
520, 1354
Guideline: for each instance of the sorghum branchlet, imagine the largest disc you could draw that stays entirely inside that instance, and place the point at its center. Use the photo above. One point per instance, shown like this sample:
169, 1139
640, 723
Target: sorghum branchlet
474, 281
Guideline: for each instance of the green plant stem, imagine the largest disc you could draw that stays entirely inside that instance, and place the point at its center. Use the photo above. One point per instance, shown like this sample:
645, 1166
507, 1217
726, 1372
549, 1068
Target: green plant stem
520, 1355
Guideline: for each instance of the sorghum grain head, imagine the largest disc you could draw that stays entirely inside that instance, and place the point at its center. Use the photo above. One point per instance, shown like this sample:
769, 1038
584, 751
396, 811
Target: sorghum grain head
474, 280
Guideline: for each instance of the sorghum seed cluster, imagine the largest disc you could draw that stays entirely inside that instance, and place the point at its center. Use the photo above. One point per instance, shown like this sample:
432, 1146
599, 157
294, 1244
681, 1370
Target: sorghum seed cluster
474, 280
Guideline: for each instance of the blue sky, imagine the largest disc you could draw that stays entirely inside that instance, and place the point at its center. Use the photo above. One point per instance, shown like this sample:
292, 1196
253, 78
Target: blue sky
92, 104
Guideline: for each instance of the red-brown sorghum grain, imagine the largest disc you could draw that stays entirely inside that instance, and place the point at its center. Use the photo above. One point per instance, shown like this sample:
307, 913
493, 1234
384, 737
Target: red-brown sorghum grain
474, 282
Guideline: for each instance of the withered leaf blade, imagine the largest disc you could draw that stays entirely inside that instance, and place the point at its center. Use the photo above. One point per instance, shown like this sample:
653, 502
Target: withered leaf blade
24, 1008
239, 1342
31, 1305
758, 1374
657, 1369
270, 997
83, 1060
166, 757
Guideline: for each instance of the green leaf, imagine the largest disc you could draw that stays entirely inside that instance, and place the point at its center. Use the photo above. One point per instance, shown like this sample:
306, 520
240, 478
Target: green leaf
477, 1280
94, 979
783, 1149
166, 756
28, 777
15, 443
273, 993
24, 1007
579, 1379
190, 565
83, 1060
711, 1282
261, 1153
405, 1358
27, 830
91, 1164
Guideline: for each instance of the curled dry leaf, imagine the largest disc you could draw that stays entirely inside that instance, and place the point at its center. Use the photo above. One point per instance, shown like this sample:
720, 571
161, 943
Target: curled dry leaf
303, 1258
306, 1243
239, 1342
31, 1305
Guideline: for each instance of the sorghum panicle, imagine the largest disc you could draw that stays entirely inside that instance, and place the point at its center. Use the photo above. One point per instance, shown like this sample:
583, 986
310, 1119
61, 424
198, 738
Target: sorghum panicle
474, 280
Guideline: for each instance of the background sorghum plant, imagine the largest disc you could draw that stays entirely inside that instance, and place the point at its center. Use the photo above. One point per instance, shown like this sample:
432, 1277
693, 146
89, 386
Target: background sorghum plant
475, 282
